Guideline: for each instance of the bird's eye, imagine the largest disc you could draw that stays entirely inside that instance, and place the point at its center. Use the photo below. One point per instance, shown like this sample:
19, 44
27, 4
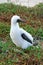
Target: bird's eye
18, 20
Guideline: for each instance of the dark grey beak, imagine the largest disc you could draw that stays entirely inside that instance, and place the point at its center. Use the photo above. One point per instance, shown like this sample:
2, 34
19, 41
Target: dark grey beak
21, 20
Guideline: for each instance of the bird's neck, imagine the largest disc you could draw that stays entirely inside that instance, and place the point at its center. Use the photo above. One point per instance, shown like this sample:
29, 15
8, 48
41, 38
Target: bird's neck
16, 26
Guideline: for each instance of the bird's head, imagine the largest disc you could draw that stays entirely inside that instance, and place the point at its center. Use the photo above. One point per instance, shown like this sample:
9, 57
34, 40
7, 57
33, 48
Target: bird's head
15, 19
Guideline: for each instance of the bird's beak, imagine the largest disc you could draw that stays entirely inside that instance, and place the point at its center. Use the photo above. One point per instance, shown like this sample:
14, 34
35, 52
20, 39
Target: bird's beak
21, 20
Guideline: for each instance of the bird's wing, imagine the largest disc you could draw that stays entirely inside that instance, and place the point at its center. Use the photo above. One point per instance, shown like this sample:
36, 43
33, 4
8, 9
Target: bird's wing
26, 36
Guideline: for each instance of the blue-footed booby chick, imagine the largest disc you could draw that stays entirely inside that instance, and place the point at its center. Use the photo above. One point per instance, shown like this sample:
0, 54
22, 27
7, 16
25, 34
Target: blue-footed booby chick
19, 36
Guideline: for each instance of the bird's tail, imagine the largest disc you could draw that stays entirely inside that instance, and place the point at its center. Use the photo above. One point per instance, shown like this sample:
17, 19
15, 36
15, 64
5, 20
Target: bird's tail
35, 41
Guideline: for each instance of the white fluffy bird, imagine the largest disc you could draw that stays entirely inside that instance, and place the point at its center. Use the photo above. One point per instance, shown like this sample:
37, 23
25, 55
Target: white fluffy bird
19, 36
